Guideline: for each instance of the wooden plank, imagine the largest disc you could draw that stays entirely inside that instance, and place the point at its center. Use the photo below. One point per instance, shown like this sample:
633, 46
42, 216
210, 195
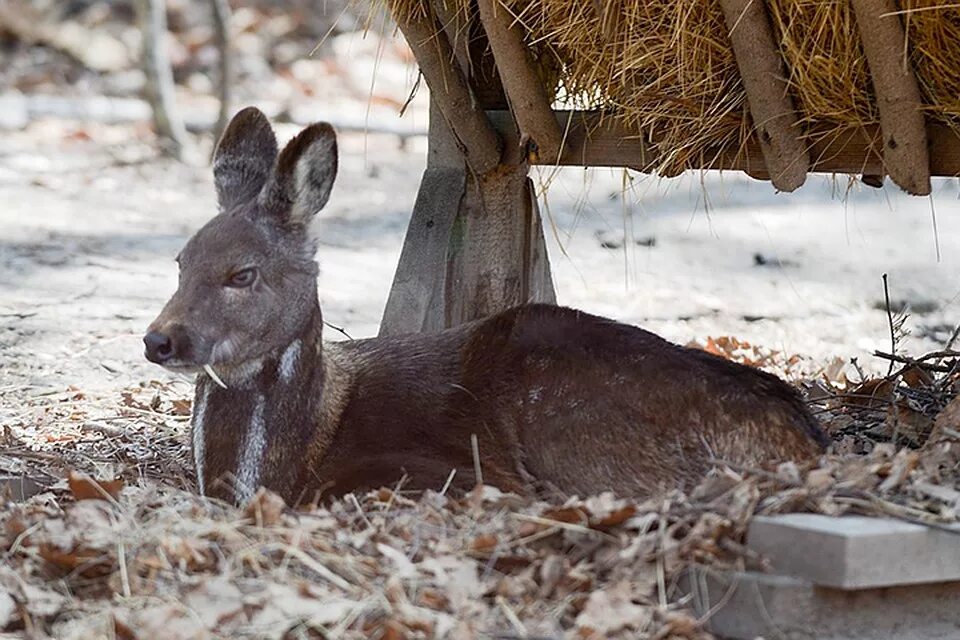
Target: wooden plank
905, 148
595, 139
415, 303
763, 75
474, 247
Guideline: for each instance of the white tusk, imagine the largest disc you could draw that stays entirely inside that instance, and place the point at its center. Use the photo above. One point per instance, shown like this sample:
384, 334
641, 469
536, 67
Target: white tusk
213, 374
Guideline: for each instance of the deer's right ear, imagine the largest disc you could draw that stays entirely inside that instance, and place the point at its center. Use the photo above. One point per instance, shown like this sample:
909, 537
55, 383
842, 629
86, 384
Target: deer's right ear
244, 158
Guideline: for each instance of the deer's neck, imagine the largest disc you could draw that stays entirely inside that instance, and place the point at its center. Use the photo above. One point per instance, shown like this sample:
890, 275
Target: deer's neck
257, 430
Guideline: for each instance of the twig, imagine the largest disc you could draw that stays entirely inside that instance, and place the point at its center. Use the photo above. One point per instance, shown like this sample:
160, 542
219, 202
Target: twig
953, 338
919, 362
893, 336
477, 469
511, 617
340, 329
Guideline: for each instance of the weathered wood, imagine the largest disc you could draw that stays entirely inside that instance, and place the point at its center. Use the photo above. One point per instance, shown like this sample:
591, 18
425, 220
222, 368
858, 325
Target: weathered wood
764, 80
469, 41
450, 91
596, 140
527, 96
474, 246
905, 151
496, 257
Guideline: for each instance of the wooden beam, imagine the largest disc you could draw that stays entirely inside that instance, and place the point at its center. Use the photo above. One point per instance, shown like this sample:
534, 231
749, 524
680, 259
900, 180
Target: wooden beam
905, 150
594, 139
450, 91
764, 79
526, 94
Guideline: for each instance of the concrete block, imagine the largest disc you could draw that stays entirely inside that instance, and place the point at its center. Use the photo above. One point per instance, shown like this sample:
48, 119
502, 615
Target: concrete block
746, 606
853, 552
19, 488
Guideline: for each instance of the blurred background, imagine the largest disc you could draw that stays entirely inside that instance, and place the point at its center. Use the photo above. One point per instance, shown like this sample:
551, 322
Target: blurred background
94, 204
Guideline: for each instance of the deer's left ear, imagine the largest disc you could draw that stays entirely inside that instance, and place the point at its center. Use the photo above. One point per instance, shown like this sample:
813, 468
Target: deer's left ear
301, 183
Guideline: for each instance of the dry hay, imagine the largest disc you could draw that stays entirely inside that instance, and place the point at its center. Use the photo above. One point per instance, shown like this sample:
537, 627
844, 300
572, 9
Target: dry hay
133, 557
665, 68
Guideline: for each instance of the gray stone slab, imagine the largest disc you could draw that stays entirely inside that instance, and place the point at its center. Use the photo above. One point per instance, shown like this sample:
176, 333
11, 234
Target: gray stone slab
19, 488
745, 606
853, 552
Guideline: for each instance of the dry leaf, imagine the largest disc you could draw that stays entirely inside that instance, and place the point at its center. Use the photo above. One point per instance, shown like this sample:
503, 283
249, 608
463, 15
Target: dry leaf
265, 508
904, 462
83, 487
215, 601
870, 393
569, 515
8, 608
484, 543
948, 420
610, 610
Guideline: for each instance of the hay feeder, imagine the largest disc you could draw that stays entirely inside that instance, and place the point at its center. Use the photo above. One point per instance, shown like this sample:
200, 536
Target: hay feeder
777, 89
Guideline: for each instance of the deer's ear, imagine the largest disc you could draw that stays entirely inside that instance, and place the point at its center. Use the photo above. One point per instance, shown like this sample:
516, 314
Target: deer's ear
304, 176
244, 158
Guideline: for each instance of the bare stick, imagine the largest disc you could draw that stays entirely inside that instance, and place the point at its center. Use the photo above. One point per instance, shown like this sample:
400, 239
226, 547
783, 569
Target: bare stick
528, 98
477, 468
450, 91
221, 31
764, 79
152, 19
893, 334
905, 153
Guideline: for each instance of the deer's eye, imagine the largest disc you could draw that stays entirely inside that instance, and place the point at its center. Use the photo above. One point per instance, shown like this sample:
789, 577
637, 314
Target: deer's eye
243, 278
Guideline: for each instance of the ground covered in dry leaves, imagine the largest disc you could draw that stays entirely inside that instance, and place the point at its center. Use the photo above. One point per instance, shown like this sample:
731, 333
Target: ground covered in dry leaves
135, 554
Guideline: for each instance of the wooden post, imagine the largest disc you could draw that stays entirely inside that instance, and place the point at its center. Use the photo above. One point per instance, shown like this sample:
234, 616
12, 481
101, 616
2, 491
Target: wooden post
528, 98
474, 246
449, 89
905, 154
762, 71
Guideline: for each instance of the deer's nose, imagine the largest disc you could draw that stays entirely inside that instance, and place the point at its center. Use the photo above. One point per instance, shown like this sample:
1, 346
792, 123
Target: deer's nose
159, 347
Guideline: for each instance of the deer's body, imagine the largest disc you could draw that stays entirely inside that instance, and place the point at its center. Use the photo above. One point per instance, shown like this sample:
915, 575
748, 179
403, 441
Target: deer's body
557, 400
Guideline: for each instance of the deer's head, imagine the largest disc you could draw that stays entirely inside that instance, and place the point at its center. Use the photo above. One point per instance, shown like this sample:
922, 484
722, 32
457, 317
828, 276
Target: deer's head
248, 277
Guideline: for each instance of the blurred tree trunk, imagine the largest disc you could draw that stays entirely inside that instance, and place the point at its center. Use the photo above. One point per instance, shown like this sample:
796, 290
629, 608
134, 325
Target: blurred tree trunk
221, 30
152, 20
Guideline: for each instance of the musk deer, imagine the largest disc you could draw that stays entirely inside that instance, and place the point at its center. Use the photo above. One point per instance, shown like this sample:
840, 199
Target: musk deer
556, 399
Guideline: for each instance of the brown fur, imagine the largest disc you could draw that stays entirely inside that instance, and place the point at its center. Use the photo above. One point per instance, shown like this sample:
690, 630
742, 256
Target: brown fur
558, 400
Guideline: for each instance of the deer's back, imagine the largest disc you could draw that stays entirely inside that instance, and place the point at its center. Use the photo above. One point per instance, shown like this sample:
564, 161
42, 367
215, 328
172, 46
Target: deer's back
561, 399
